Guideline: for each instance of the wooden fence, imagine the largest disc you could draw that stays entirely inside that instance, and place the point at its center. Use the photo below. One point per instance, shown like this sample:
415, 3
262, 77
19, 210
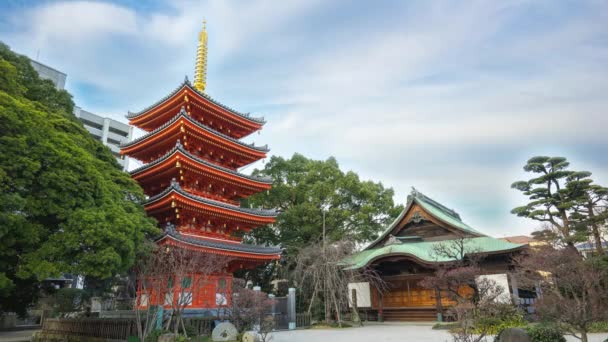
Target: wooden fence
302, 320
122, 328
108, 328
113, 328
202, 326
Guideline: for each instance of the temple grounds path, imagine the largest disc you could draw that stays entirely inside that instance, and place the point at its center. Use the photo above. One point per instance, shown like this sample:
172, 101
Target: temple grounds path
385, 332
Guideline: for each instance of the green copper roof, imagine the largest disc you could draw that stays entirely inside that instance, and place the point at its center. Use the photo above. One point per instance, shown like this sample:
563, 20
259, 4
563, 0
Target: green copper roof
424, 250
442, 213
434, 208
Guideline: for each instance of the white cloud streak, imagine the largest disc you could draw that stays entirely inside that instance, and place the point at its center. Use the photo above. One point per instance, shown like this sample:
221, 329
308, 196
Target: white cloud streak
449, 97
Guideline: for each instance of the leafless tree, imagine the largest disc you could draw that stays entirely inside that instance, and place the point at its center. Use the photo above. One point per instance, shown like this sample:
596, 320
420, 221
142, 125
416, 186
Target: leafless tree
248, 307
170, 277
457, 278
321, 272
574, 290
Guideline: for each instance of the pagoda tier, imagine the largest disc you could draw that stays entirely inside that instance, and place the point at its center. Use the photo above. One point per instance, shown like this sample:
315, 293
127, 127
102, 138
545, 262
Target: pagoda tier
202, 216
202, 107
197, 139
245, 256
198, 177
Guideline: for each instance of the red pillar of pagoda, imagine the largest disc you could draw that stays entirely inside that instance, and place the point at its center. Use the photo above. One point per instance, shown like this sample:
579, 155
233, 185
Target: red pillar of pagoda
191, 154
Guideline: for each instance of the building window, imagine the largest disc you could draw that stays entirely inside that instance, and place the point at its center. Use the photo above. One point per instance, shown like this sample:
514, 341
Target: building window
143, 299
169, 299
221, 284
185, 298
186, 282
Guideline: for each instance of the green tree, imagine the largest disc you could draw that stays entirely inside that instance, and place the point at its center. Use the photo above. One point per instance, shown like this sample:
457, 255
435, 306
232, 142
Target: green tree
65, 204
355, 210
566, 201
593, 213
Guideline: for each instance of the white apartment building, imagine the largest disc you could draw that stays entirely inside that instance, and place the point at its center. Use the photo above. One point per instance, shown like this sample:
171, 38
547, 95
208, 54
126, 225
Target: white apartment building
109, 131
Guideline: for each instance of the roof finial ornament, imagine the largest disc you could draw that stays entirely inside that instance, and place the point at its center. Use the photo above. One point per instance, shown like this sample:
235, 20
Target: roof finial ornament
200, 69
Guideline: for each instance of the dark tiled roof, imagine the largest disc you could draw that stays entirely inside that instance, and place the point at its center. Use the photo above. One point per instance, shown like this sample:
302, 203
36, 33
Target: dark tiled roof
183, 114
237, 247
179, 147
175, 186
186, 83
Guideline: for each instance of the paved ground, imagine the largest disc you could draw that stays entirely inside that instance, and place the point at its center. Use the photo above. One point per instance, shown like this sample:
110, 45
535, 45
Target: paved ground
16, 336
385, 332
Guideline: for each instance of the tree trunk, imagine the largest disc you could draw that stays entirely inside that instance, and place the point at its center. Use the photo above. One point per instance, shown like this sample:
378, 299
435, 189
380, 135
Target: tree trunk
438, 303
595, 230
312, 300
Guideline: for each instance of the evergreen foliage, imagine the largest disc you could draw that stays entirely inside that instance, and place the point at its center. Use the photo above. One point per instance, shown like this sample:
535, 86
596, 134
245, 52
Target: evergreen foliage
356, 210
572, 207
545, 332
65, 204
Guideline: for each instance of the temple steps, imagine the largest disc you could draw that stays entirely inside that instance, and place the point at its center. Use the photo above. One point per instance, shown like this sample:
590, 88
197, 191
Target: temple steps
410, 315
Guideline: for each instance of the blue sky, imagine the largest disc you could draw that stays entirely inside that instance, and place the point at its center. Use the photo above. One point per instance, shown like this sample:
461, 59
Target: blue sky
449, 97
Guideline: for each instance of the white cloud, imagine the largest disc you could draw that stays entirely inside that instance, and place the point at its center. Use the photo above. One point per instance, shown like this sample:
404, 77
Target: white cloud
449, 97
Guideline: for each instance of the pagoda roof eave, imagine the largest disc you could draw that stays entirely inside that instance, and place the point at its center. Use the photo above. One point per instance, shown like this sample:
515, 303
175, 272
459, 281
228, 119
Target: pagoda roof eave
240, 248
183, 115
175, 187
180, 149
186, 84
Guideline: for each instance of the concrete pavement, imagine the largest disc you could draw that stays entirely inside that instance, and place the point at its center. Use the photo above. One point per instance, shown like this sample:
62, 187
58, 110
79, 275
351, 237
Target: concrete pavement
383, 332
16, 336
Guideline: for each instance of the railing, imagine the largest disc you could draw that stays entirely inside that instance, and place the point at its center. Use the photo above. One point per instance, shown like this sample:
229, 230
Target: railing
281, 321
122, 328
302, 320
116, 329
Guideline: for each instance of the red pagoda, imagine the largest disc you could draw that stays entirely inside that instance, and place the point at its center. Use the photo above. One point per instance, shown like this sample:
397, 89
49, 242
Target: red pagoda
191, 155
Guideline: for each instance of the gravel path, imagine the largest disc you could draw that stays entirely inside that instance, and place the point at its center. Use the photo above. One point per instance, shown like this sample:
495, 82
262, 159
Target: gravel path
385, 332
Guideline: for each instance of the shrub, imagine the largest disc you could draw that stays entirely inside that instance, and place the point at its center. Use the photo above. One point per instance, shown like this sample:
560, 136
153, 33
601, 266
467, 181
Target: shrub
546, 333
153, 336
598, 327
70, 300
498, 317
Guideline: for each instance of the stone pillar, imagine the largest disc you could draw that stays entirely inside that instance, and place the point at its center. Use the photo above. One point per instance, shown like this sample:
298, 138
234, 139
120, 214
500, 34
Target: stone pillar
273, 308
291, 308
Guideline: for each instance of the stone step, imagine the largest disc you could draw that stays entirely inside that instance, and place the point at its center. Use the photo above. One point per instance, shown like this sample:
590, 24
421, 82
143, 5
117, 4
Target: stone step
419, 315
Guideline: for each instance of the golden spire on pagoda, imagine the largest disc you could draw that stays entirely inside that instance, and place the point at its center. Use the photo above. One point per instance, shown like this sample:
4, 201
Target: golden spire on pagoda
200, 70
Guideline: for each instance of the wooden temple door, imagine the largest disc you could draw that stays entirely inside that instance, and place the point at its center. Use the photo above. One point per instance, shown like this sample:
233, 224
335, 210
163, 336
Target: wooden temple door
407, 293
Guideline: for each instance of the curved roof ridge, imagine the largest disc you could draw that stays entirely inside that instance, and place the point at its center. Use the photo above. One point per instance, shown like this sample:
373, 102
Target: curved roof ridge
182, 113
180, 147
417, 194
174, 186
186, 83
423, 251
434, 208
237, 247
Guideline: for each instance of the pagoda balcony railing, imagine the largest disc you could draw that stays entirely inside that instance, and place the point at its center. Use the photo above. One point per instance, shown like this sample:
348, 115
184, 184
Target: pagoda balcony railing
202, 233
211, 195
